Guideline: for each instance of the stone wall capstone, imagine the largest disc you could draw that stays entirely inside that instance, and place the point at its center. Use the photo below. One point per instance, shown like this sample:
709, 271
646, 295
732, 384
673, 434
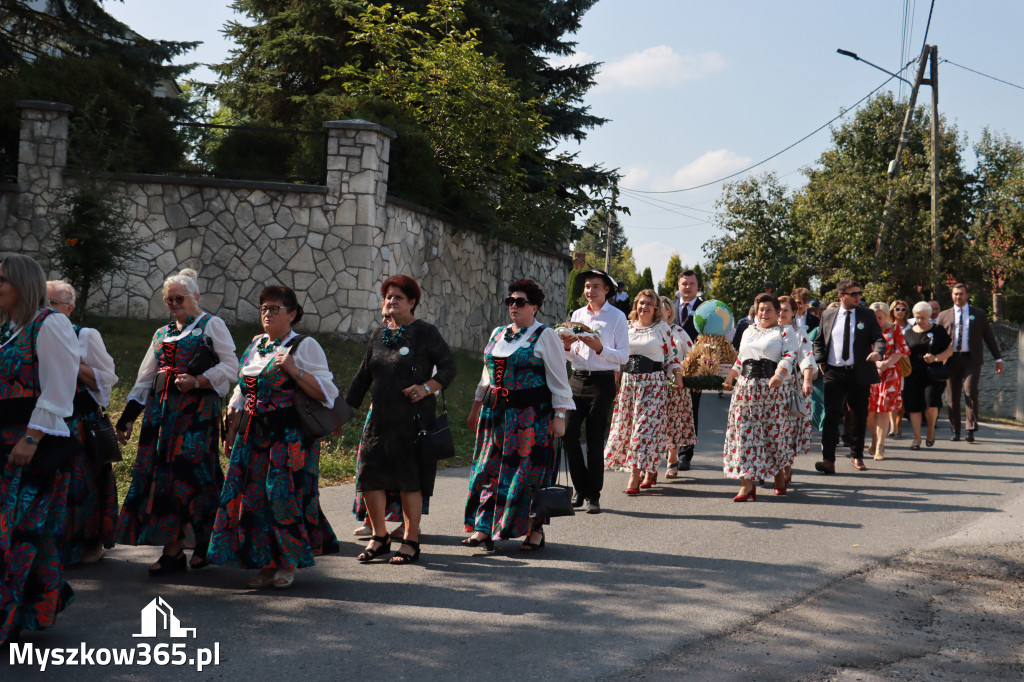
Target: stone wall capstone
334, 244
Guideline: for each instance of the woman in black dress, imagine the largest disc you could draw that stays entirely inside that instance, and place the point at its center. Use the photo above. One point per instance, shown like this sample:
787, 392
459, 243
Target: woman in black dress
398, 370
930, 346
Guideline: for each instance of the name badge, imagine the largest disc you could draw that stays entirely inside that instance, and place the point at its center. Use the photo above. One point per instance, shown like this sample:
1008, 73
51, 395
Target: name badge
197, 332
404, 350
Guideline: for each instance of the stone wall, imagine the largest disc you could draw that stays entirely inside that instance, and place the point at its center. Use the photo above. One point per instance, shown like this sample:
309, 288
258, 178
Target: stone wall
334, 244
998, 393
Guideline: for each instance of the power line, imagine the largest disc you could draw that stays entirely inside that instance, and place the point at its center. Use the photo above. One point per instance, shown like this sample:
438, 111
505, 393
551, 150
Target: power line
670, 203
1012, 85
778, 153
927, 26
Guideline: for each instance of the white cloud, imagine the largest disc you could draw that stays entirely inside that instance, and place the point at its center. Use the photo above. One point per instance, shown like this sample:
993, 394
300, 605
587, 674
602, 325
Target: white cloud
659, 66
635, 176
709, 166
655, 255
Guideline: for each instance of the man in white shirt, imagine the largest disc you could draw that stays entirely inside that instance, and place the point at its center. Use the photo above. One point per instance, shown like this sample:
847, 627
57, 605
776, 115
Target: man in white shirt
595, 360
687, 303
968, 326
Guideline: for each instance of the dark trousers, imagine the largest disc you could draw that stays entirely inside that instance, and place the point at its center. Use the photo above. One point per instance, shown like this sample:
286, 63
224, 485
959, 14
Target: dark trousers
963, 377
594, 396
841, 387
686, 454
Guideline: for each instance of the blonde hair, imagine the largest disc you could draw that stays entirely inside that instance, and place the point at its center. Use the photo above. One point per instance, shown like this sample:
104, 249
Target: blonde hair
880, 306
666, 306
649, 293
27, 278
892, 306
186, 278
63, 287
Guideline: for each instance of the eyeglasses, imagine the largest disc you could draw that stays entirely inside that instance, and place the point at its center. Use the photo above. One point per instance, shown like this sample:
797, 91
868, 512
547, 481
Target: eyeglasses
272, 309
174, 300
3, 280
853, 293
53, 303
516, 301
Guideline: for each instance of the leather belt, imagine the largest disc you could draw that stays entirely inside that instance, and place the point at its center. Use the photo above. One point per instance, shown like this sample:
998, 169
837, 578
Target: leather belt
758, 369
592, 373
640, 364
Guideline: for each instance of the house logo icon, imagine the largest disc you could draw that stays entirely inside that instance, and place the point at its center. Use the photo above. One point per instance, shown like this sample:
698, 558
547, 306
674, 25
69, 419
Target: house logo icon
158, 615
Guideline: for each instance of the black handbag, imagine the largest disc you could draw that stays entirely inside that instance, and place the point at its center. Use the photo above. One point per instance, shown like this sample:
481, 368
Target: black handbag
555, 499
204, 358
101, 441
435, 442
317, 420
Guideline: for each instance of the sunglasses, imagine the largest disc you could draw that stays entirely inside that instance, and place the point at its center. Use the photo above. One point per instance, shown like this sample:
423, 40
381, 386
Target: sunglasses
174, 300
516, 301
853, 293
3, 280
900, 310
272, 309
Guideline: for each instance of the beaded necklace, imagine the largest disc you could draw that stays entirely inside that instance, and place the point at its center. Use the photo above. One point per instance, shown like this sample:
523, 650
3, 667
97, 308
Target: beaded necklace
513, 337
267, 346
6, 332
393, 336
172, 327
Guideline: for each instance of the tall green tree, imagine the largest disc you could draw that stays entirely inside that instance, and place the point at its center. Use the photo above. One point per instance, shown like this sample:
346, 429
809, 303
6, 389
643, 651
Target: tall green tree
761, 238
670, 285
843, 201
594, 237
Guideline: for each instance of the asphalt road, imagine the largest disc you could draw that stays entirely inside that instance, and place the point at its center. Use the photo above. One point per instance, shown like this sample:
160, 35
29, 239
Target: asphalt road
678, 583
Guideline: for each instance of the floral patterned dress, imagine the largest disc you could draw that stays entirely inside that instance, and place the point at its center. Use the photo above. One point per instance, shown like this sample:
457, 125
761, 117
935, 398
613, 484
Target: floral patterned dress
177, 477
514, 452
33, 503
758, 423
887, 394
92, 491
799, 441
639, 430
680, 406
269, 514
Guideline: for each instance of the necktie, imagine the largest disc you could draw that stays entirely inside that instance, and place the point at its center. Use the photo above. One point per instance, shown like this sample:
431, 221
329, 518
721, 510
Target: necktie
684, 313
846, 337
960, 330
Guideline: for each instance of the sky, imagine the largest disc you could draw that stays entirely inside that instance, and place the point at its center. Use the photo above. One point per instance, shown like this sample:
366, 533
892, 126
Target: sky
697, 90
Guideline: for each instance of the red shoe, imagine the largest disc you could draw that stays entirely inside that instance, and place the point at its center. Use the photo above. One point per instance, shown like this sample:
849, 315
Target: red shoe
633, 491
781, 491
749, 497
649, 482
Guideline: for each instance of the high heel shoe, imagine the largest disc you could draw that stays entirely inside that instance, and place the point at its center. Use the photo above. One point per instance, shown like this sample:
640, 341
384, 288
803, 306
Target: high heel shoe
528, 546
401, 559
371, 554
750, 496
486, 541
649, 482
169, 564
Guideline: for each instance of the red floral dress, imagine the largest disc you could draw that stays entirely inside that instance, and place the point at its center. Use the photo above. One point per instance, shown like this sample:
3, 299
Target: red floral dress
887, 394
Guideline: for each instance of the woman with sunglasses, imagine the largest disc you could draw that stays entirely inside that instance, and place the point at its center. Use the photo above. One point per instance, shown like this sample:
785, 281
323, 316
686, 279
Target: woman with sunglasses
899, 315
92, 495
398, 371
639, 431
518, 415
38, 365
269, 516
176, 478
887, 394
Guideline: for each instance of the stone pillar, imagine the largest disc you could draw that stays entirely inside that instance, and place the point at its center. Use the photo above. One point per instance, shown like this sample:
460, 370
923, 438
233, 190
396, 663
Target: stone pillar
357, 182
42, 156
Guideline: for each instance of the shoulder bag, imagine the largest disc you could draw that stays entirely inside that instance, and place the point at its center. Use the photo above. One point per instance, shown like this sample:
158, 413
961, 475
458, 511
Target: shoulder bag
101, 440
555, 499
435, 442
905, 367
316, 419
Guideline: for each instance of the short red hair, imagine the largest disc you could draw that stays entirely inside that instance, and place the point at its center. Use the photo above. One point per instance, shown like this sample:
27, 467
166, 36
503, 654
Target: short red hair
407, 285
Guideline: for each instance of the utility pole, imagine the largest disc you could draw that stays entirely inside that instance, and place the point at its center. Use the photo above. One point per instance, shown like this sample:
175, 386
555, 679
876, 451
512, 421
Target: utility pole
933, 81
894, 165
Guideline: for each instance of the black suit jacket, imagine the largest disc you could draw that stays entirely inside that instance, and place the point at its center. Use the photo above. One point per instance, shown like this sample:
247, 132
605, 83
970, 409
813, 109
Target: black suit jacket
812, 321
978, 331
867, 337
688, 324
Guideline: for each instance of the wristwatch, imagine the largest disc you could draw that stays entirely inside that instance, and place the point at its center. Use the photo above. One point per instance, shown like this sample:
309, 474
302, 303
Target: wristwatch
427, 389
197, 382
31, 441
560, 415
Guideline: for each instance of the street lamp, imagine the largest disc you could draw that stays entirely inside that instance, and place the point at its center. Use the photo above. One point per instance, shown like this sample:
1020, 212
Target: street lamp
847, 53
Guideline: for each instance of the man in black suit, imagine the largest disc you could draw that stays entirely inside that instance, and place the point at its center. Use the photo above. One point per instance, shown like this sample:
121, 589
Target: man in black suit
968, 326
847, 347
686, 305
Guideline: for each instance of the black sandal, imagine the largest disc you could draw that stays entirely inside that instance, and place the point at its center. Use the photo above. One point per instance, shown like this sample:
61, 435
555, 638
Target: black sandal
487, 542
371, 554
199, 553
401, 559
169, 564
528, 546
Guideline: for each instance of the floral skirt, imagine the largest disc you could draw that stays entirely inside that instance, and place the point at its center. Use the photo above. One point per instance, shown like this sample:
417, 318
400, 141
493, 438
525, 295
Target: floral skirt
680, 418
639, 430
92, 502
269, 513
32, 520
758, 430
177, 479
514, 454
